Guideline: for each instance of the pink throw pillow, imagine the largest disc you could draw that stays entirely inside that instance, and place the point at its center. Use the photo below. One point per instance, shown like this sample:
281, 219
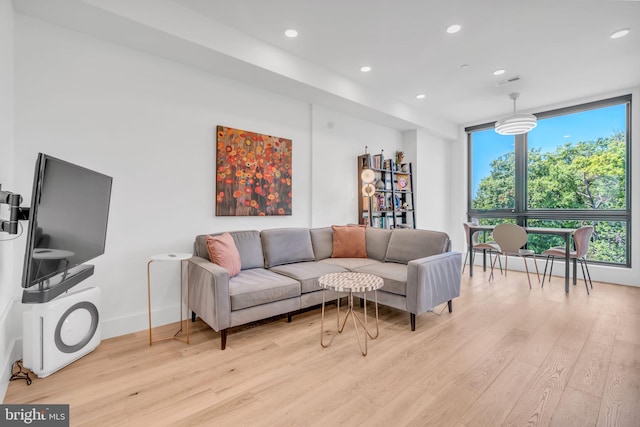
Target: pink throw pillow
223, 251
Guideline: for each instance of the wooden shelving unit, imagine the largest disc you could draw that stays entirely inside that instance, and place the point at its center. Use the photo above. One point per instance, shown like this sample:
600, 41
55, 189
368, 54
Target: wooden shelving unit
392, 205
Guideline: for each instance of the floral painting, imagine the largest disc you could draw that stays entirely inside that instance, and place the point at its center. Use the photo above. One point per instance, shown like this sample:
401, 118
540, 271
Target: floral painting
253, 174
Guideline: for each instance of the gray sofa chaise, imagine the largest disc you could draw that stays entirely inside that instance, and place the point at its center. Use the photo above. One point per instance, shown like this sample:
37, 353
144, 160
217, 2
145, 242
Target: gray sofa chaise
280, 270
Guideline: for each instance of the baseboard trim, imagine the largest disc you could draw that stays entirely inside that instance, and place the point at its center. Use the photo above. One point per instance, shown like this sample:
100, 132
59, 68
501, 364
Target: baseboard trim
140, 321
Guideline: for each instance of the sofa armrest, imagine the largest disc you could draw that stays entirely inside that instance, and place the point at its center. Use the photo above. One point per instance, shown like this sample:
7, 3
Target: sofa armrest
209, 293
432, 281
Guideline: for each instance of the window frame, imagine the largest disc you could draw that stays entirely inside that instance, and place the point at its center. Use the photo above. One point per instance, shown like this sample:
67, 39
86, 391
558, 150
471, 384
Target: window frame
521, 213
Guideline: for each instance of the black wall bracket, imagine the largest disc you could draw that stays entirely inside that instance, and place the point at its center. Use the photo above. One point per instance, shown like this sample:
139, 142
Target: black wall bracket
16, 214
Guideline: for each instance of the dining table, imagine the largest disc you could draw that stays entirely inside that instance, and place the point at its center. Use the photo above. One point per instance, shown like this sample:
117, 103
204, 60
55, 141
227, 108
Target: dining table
565, 233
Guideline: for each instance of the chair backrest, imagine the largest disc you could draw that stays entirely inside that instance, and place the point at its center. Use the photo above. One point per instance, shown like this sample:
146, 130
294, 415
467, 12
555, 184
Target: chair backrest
582, 239
475, 237
510, 237
466, 231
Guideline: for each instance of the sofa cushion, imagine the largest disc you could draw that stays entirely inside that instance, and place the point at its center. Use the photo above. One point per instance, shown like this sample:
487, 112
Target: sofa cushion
250, 247
307, 273
349, 263
259, 286
394, 276
377, 242
349, 241
408, 244
322, 242
247, 242
286, 246
222, 251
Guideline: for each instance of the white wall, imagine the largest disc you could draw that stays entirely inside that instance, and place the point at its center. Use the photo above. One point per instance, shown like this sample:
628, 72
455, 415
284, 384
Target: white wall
149, 123
337, 140
6, 144
431, 180
7, 337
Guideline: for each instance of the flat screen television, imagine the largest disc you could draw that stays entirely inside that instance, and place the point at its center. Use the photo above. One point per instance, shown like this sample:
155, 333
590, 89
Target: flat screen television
67, 227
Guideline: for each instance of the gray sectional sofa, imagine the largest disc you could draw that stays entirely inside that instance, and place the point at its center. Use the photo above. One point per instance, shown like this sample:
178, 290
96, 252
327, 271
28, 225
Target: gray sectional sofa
281, 267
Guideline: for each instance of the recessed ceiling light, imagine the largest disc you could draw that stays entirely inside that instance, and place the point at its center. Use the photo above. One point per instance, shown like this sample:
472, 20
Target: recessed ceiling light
421, 96
451, 29
499, 72
619, 33
365, 68
291, 33
465, 66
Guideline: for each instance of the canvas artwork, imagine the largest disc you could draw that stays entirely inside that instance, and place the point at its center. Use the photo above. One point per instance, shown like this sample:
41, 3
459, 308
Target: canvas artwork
403, 182
253, 174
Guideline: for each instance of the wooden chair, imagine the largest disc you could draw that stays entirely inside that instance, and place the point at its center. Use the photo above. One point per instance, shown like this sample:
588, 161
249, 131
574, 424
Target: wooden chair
511, 238
582, 241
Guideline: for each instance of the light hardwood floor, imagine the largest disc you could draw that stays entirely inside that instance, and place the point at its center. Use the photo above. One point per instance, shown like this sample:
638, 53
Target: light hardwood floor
505, 356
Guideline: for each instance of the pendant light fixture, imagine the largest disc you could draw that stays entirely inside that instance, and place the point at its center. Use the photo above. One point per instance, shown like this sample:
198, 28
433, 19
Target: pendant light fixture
516, 124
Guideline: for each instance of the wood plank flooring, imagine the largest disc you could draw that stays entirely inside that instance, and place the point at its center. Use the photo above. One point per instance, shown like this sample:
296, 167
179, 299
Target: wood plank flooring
507, 356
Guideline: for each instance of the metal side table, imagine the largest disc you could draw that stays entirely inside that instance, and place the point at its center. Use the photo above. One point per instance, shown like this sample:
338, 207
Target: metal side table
182, 258
351, 282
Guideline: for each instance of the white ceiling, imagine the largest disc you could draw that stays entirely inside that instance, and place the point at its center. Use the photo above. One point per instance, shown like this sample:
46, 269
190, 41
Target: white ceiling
561, 50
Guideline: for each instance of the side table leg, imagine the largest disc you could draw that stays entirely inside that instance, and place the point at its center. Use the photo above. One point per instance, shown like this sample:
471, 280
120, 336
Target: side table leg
355, 323
187, 300
363, 324
375, 293
322, 323
339, 326
346, 315
149, 299
181, 285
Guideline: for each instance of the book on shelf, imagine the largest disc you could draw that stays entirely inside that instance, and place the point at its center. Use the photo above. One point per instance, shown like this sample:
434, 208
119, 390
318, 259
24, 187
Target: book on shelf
365, 204
377, 161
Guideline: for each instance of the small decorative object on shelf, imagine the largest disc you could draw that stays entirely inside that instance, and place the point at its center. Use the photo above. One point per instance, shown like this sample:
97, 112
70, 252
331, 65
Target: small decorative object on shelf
399, 158
390, 203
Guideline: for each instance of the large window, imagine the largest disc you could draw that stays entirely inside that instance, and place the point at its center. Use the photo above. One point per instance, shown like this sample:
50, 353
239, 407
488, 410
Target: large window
493, 171
571, 170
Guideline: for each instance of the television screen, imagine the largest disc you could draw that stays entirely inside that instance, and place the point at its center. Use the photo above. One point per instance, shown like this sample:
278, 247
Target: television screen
67, 227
